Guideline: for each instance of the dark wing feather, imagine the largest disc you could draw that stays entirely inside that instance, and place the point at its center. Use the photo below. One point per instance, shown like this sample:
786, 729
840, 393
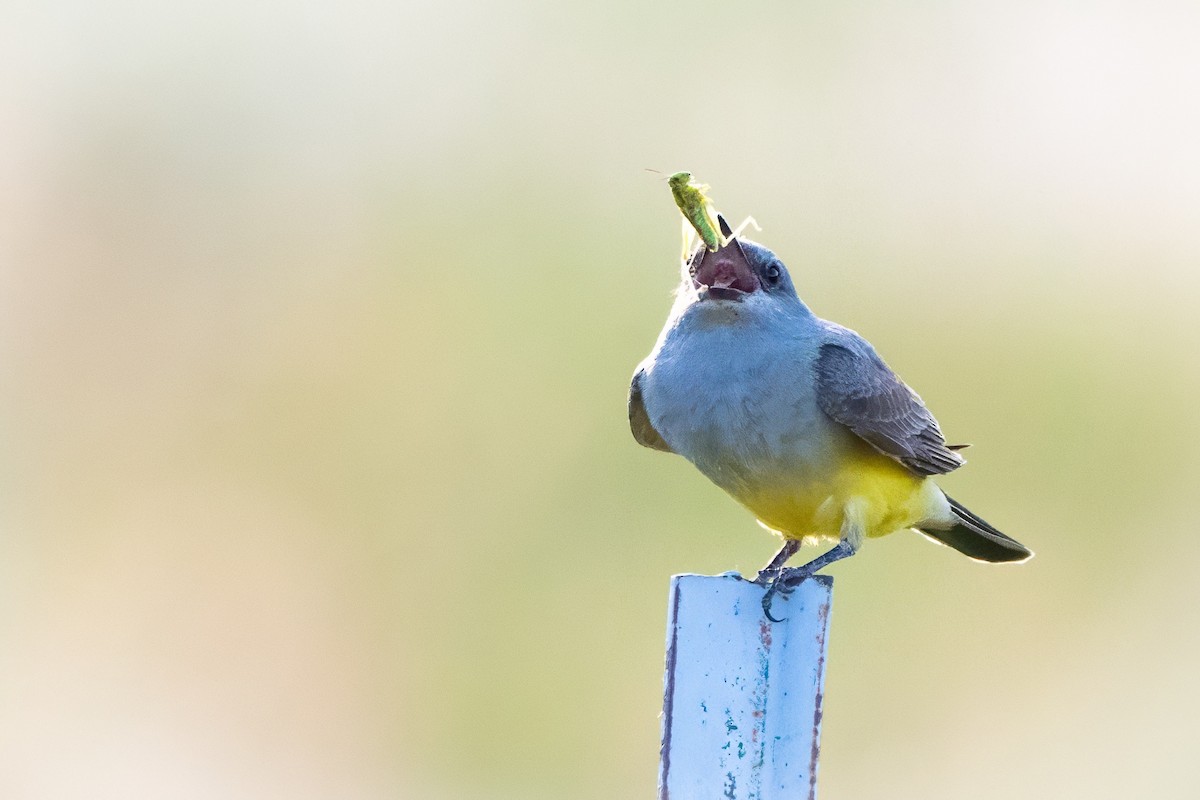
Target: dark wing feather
639, 420
855, 388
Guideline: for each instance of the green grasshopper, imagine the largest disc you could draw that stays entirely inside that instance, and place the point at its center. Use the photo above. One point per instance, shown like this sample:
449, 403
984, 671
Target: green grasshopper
698, 211
697, 208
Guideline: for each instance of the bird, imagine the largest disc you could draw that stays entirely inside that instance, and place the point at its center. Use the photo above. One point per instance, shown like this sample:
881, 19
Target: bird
797, 418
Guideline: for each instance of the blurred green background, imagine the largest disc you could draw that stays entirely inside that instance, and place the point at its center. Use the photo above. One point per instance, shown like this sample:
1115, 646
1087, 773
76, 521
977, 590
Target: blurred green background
316, 322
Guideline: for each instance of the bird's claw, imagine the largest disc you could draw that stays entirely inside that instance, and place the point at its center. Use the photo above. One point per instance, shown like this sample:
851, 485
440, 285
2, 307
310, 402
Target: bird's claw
785, 582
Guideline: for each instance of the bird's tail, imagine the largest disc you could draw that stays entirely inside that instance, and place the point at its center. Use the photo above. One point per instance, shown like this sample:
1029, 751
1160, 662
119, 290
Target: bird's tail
976, 539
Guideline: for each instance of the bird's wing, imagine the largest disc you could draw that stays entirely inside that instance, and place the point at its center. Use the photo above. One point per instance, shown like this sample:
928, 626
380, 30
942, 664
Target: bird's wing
639, 420
855, 388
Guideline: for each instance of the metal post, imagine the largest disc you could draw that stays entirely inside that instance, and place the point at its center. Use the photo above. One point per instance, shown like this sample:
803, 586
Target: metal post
742, 699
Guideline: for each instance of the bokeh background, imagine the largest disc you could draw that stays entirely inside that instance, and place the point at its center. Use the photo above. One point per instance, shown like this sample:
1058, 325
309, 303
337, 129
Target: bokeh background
316, 322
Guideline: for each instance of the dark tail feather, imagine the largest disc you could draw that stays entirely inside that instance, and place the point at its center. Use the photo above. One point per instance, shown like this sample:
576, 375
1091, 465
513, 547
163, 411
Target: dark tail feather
976, 539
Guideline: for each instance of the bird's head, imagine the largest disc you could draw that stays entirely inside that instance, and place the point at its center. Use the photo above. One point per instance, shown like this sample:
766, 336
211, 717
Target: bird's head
739, 270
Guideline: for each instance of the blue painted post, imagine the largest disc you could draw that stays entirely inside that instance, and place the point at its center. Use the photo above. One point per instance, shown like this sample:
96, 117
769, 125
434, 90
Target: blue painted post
742, 699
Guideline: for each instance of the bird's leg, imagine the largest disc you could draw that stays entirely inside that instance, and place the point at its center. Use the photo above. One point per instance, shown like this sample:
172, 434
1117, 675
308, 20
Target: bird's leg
791, 577
772, 570
788, 578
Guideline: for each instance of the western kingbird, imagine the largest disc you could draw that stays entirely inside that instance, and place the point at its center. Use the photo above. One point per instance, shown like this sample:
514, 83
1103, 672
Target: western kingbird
796, 417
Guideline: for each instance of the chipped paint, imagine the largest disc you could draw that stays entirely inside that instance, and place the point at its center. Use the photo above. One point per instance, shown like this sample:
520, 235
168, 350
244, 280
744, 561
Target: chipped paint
664, 791
818, 710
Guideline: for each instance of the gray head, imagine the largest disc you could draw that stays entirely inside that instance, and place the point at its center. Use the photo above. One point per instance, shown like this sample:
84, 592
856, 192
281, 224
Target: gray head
738, 270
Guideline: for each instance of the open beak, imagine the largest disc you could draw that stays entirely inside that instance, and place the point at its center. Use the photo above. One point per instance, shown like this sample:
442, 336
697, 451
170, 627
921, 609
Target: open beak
725, 274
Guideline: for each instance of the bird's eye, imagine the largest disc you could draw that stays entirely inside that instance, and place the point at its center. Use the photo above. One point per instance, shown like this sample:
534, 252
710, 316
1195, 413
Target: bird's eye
773, 273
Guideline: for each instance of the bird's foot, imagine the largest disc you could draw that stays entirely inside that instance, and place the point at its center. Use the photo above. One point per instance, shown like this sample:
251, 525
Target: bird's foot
784, 581
771, 571
767, 575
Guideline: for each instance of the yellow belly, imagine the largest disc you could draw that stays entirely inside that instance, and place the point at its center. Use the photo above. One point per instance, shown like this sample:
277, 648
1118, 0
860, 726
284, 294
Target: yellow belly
876, 494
